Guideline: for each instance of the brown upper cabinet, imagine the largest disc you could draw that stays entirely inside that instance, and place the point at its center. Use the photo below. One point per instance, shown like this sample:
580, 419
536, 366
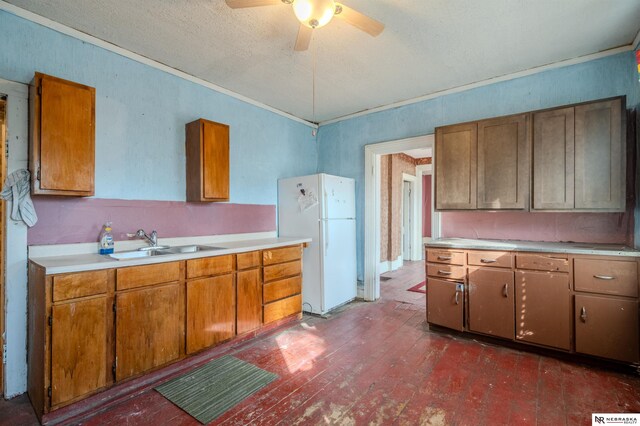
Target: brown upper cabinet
62, 137
579, 157
455, 167
207, 149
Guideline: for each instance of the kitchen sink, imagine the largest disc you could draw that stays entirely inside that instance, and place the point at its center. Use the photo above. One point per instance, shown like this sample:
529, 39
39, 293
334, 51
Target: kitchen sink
161, 251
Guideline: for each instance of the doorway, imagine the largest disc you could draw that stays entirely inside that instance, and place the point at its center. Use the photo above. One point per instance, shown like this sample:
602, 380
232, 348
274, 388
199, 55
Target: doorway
408, 209
372, 233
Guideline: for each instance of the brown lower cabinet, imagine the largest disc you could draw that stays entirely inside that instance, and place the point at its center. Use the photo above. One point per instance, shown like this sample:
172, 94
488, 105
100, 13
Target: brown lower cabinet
148, 329
210, 311
607, 327
543, 308
445, 303
249, 296
79, 336
491, 302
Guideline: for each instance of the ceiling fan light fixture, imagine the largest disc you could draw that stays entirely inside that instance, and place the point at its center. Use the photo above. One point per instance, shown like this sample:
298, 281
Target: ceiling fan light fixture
314, 13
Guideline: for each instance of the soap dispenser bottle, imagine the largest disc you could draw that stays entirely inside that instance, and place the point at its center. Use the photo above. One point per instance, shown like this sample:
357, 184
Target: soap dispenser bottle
106, 239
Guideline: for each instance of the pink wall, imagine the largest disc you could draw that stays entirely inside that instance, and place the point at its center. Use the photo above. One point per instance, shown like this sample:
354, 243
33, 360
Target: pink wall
79, 220
426, 205
615, 228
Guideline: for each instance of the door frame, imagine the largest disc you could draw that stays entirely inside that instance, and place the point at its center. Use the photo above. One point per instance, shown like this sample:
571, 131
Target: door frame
413, 213
3, 232
372, 153
421, 170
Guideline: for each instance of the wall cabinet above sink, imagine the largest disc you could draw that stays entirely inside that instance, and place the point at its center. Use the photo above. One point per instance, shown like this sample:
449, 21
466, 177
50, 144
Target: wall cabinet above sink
578, 161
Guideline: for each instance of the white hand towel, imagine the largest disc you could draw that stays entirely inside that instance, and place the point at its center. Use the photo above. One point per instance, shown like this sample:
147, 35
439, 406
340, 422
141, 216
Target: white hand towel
16, 188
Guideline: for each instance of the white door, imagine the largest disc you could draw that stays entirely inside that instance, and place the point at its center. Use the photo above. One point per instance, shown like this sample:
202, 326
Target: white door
338, 237
407, 207
338, 197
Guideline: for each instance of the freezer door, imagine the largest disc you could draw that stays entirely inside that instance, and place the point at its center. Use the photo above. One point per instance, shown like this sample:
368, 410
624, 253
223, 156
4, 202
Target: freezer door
338, 253
338, 197
296, 219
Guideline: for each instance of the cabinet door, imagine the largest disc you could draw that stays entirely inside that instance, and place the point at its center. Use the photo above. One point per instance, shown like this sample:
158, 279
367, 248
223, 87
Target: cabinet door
455, 166
63, 137
543, 309
445, 303
78, 348
503, 163
215, 164
249, 312
599, 156
148, 329
607, 327
553, 159
491, 309
210, 311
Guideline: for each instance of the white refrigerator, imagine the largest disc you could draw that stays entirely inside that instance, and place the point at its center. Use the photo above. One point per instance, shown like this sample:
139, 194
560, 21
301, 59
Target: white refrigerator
322, 207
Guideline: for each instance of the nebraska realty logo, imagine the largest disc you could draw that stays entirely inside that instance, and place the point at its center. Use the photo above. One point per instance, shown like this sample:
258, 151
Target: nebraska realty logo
615, 419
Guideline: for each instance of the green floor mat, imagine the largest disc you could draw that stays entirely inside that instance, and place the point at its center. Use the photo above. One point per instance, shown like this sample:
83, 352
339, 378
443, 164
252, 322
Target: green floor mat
207, 392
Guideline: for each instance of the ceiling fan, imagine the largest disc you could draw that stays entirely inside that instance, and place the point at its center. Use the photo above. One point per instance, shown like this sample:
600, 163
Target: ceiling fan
314, 14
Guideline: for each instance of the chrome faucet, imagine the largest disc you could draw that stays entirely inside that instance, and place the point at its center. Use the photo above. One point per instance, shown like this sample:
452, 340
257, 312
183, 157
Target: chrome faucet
151, 239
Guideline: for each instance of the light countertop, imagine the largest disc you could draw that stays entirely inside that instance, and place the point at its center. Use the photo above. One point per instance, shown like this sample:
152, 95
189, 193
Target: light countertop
90, 262
535, 246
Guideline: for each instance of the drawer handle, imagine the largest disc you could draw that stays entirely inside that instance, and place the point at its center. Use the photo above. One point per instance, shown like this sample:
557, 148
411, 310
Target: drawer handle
441, 272
604, 277
583, 314
488, 260
457, 299
505, 290
445, 257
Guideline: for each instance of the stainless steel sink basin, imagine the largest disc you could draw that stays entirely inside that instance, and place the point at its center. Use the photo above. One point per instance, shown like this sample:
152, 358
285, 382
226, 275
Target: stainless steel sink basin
161, 251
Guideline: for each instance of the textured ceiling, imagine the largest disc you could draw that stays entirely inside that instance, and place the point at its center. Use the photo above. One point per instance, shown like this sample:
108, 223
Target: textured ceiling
427, 46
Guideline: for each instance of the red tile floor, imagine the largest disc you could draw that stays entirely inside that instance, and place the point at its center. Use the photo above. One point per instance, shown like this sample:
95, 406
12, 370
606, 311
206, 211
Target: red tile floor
378, 363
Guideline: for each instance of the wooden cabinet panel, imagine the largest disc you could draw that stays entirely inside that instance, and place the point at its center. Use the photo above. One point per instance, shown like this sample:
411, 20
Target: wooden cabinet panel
600, 176
455, 167
543, 308
491, 302
608, 276
71, 286
78, 348
445, 303
282, 270
280, 255
248, 260
62, 137
209, 266
446, 271
498, 259
249, 295
207, 150
607, 327
149, 329
280, 289
543, 262
503, 163
282, 308
140, 276
445, 256
211, 311
553, 159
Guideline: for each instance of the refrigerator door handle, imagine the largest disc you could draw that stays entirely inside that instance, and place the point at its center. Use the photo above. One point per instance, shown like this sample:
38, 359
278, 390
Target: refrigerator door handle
325, 207
326, 236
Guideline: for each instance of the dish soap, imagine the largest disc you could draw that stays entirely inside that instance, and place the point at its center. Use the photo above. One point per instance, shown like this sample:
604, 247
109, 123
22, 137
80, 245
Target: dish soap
106, 239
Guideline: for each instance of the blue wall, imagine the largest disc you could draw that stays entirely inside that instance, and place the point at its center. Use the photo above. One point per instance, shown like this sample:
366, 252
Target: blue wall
140, 118
341, 145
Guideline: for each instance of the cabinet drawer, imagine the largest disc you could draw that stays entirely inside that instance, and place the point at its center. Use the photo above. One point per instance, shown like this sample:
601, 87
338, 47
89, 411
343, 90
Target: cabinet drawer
140, 276
496, 259
209, 266
543, 262
446, 271
82, 284
282, 308
280, 289
445, 256
282, 270
280, 255
248, 260
606, 276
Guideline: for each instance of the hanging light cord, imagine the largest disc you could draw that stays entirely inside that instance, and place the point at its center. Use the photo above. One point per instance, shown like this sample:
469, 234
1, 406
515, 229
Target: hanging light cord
313, 94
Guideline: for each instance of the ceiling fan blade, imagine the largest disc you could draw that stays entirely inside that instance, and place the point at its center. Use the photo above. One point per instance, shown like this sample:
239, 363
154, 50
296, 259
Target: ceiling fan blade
358, 20
238, 4
304, 38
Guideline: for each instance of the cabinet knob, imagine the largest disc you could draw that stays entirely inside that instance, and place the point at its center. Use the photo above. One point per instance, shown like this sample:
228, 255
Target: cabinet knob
505, 290
583, 314
457, 298
604, 277
488, 260
444, 257
441, 272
